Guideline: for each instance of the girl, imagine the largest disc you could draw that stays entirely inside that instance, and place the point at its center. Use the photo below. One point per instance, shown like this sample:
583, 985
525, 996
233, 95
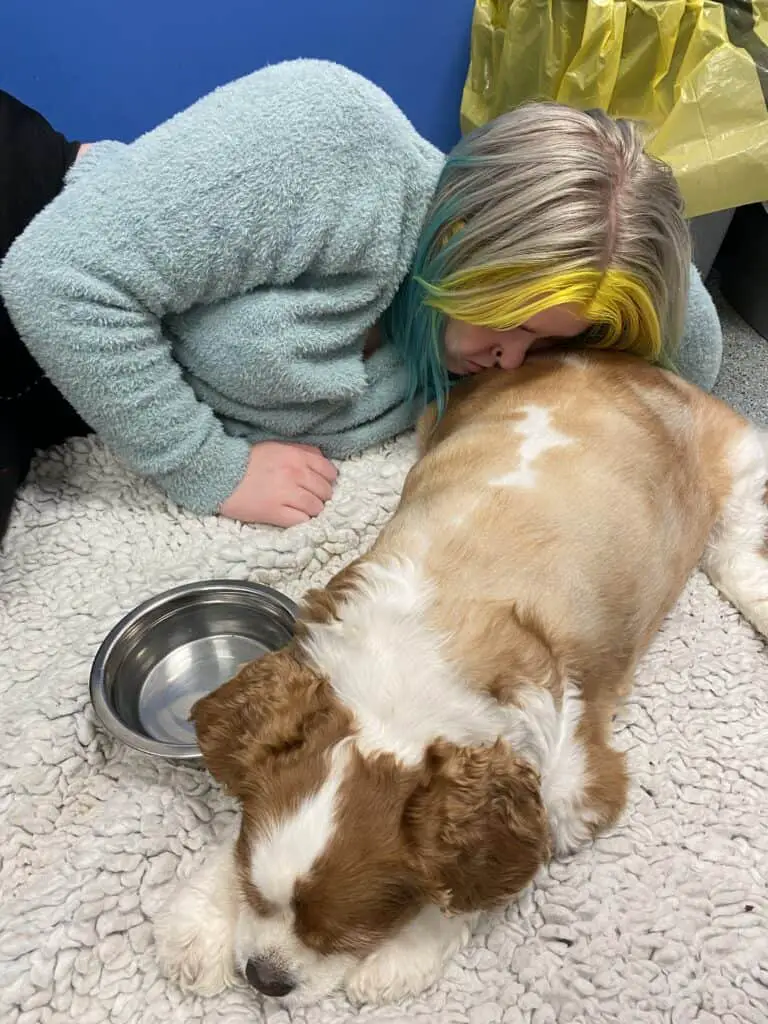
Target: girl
287, 271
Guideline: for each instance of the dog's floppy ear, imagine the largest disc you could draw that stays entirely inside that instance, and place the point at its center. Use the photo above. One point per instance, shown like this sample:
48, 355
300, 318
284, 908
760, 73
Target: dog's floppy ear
475, 826
269, 710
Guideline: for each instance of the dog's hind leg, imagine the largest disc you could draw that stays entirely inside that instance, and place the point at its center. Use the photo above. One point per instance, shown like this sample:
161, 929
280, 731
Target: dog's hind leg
736, 556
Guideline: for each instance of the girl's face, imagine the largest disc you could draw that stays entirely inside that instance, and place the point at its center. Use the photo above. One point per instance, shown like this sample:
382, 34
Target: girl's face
470, 349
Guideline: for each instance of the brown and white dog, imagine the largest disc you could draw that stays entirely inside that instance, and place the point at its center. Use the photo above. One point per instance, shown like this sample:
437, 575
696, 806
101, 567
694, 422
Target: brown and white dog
442, 723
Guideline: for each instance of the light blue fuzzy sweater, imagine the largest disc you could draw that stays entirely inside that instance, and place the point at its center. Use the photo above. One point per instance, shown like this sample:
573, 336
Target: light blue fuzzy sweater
212, 284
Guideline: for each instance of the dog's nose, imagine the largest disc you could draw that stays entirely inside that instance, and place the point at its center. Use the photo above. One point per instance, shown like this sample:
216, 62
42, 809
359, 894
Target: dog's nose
268, 979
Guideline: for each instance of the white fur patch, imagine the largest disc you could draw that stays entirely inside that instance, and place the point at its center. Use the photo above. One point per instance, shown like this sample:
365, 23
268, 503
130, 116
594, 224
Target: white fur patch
576, 360
735, 556
411, 960
289, 849
539, 436
546, 736
388, 667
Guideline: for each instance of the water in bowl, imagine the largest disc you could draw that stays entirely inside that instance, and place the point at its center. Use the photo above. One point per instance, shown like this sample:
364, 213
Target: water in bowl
184, 676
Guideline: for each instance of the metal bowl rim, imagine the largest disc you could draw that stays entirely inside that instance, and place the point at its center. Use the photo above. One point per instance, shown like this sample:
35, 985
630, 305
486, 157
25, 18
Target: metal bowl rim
97, 682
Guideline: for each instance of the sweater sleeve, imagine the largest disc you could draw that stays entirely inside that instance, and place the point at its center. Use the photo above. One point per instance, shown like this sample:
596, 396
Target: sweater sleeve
268, 178
87, 286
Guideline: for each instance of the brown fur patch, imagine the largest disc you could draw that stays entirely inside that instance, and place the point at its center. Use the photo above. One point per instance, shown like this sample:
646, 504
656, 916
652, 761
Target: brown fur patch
574, 575
264, 734
467, 830
476, 827
607, 780
363, 887
320, 606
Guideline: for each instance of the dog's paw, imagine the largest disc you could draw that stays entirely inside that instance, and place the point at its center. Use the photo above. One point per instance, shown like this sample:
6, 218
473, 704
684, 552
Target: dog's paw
385, 978
193, 951
411, 962
194, 932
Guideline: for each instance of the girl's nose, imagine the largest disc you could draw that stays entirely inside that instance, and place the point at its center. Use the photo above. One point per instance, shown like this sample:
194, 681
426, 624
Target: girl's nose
512, 355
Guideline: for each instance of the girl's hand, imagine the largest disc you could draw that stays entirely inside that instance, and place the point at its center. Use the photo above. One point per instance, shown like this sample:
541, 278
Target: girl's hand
284, 484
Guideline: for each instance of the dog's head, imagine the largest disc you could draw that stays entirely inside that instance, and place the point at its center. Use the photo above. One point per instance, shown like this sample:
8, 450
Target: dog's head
339, 850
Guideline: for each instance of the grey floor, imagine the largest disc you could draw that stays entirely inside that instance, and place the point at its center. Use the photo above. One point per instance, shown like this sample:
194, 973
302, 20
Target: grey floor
743, 381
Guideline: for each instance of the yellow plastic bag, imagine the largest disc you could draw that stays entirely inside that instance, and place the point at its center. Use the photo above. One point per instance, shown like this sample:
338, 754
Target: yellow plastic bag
694, 73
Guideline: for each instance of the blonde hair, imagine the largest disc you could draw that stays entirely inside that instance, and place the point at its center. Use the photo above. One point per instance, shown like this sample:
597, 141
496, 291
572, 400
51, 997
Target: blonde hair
548, 205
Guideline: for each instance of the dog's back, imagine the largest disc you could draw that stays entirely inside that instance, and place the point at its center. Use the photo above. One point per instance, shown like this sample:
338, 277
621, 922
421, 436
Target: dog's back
561, 509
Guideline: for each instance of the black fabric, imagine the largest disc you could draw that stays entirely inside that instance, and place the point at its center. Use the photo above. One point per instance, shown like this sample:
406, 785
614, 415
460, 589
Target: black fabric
15, 456
741, 21
34, 158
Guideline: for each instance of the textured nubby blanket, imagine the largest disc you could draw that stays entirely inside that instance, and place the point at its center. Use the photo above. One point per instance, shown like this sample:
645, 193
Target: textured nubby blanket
665, 919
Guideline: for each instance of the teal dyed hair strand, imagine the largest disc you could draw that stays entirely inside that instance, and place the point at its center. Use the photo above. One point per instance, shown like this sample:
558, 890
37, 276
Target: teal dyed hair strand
416, 329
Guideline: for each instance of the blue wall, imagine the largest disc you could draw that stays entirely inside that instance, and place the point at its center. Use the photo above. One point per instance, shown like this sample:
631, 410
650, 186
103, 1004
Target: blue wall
115, 68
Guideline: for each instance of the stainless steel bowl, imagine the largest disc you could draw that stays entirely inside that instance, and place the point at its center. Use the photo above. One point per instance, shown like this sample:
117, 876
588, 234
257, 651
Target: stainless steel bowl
174, 649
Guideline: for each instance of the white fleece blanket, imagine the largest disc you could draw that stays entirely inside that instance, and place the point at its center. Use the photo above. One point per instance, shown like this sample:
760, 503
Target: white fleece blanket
665, 919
